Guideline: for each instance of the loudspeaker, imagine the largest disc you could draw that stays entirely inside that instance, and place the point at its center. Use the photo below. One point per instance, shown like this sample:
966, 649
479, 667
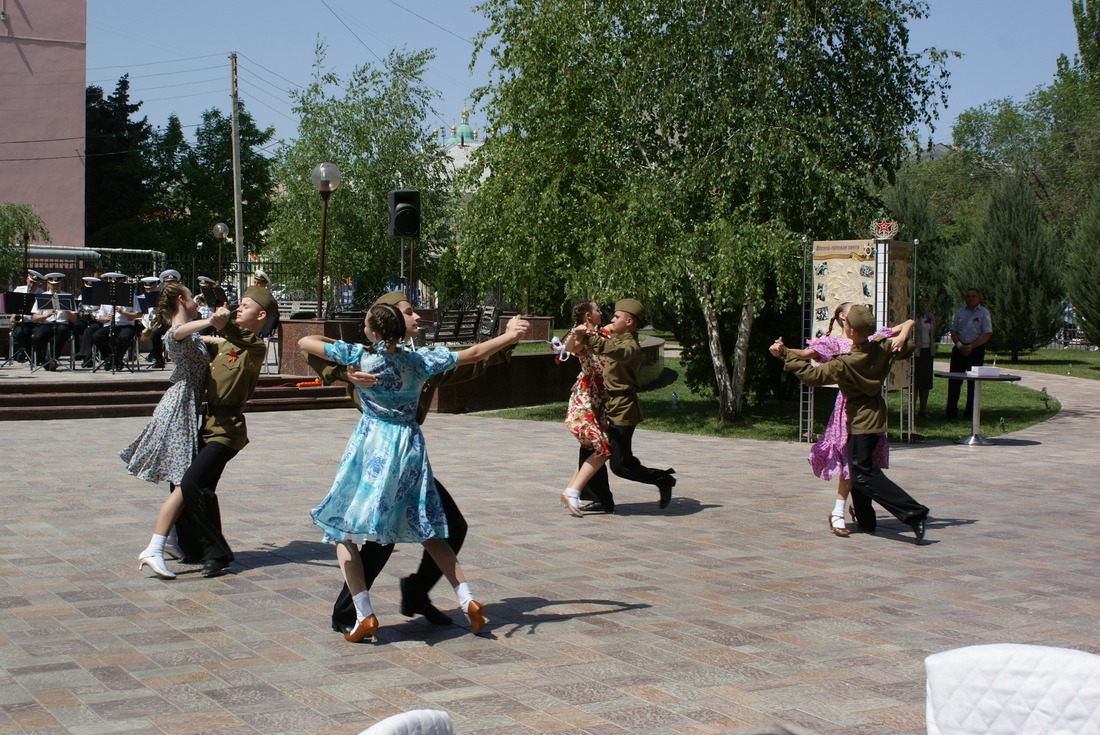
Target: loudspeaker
404, 207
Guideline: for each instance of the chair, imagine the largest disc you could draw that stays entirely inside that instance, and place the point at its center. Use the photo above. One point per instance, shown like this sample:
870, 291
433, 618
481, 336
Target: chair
1012, 689
413, 722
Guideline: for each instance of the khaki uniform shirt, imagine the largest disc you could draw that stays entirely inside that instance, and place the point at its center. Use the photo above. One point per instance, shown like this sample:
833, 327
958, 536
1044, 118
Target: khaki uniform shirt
622, 359
234, 372
859, 374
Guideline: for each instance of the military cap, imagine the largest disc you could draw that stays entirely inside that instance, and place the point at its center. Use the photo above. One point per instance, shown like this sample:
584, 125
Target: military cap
263, 297
861, 320
206, 281
150, 280
261, 276
170, 275
35, 275
55, 277
113, 274
632, 307
393, 298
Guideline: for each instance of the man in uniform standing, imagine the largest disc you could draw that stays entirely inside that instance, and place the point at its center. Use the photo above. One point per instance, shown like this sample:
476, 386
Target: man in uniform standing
970, 330
234, 373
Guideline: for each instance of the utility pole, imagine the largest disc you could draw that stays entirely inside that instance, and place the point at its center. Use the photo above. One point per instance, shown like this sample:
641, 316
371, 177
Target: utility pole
238, 212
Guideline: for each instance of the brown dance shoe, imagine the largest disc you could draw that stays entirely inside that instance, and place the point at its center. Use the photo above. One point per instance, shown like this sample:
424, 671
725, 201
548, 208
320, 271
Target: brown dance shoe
841, 530
476, 613
365, 628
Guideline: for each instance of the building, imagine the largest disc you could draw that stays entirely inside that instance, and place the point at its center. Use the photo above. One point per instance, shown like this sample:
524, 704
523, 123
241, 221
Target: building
42, 77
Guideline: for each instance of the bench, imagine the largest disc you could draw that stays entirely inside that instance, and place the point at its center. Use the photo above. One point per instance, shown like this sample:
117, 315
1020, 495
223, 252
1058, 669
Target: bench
455, 326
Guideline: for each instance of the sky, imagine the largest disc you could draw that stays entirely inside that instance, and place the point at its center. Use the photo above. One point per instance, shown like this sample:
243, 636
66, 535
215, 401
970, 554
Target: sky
177, 52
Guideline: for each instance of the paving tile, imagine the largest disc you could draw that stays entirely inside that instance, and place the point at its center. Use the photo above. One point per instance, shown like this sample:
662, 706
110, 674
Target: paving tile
734, 608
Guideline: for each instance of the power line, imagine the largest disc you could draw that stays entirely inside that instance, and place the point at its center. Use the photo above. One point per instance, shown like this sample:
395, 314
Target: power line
259, 78
337, 17
299, 86
154, 63
431, 22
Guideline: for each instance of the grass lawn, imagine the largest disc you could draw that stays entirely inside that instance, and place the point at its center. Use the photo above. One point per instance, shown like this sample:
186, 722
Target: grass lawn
1005, 408
1076, 363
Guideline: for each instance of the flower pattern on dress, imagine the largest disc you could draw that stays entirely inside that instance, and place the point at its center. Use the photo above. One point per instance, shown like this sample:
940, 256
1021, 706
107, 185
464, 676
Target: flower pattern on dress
585, 413
829, 455
384, 490
165, 447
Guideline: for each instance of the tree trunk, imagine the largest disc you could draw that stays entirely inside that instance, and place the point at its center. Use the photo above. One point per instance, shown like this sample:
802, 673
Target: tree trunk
741, 351
728, 407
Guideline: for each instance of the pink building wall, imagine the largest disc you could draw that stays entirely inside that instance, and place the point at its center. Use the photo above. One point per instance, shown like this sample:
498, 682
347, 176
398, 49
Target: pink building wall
42, 73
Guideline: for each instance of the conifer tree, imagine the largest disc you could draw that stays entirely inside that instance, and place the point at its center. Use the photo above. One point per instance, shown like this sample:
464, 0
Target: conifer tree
1083, 270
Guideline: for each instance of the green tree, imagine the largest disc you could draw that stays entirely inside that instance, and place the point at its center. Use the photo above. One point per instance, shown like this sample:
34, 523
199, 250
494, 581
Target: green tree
1015, 262
676, 150
193, 182
1083, 270
117, 169
18, 225
370, 125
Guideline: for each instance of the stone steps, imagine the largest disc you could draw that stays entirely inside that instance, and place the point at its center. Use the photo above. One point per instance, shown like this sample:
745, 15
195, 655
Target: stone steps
79, 399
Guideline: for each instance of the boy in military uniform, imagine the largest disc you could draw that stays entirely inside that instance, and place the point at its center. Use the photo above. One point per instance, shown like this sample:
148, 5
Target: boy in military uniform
860, 375
234, 372
622, 359
414, 588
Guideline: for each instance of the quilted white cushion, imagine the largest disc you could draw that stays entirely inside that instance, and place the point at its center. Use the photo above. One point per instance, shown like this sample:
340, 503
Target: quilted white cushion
1012, 689
413, 722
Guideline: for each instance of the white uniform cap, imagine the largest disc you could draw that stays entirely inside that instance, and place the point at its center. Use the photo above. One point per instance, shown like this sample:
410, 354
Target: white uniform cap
113, 274
55, 276
90, 279
170, 274
260, 274
35, 275
206, 281
150, 279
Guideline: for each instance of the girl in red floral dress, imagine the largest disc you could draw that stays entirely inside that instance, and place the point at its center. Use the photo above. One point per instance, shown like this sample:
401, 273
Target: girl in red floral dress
584, 416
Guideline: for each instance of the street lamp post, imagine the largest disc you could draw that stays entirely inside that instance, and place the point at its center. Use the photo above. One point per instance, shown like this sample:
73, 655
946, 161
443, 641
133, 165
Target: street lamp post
325, 178
221, 230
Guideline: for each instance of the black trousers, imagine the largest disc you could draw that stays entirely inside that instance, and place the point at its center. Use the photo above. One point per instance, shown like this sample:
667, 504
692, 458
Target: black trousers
598, 487
116, 345
960, 363
21, 337
58, 332
199, 527
623, 463
156, 343
375, 556
869, 483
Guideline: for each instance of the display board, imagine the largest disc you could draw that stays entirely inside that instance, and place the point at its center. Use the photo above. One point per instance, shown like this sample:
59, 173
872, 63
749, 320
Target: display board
876, 273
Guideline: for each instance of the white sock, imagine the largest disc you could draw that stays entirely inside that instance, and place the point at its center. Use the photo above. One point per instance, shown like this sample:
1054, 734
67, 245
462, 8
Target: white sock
462, 592
362, 605
155, 547
574, 497
838, 514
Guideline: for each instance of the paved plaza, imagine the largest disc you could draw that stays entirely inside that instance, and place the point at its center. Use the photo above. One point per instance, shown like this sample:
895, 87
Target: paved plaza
735, 608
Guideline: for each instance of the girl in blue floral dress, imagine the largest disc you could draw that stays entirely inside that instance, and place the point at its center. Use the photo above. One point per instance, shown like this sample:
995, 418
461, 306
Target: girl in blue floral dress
384, 491
165, 447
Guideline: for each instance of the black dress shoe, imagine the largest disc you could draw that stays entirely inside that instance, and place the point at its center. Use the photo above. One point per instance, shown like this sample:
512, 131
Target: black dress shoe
414, 602
342, 628
597, 507
189, 559
918, 528
215, 567
664, 486
158, 365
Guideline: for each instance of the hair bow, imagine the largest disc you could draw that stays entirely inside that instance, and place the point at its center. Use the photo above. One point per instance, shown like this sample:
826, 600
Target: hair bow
558, 348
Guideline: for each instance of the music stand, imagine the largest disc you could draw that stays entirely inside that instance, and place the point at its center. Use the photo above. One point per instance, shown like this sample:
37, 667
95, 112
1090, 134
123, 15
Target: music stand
215, 296
15, 302
147, 301
111, 293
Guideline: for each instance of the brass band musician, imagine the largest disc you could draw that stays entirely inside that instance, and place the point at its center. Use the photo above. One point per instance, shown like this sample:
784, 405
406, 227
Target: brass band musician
51, 323
21, 329
113, 342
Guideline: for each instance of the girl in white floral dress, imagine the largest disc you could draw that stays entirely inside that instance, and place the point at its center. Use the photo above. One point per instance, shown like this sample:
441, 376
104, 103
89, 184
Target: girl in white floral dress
165, 447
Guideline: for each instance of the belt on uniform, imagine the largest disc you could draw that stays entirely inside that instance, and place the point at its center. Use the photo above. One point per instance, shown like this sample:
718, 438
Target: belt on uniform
623, 392
222, 411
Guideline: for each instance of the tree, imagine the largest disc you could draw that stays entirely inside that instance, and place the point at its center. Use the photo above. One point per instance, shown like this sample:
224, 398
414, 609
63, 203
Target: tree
18, 225
117, 170
1015, 262
371, 126
1083, 270
193, 182
677, 150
